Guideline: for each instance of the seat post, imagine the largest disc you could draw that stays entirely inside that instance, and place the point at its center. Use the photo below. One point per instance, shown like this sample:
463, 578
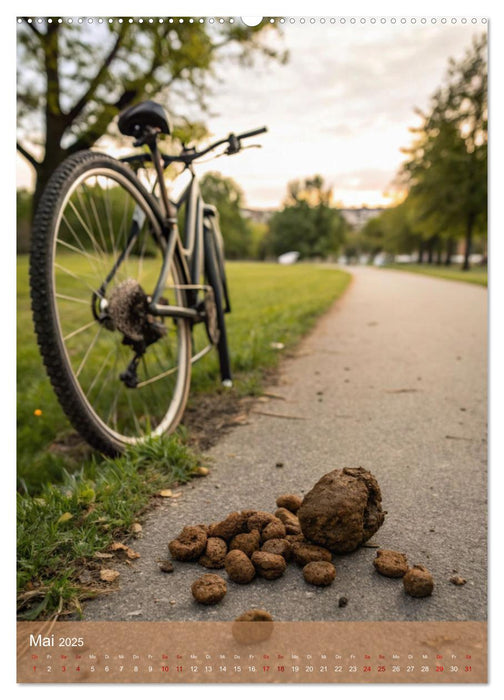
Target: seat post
169, 209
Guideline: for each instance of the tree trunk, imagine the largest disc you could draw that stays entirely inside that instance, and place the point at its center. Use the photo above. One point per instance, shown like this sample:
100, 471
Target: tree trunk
449, 251
438, 255
52, 159
430, 250
468, 241
421, 252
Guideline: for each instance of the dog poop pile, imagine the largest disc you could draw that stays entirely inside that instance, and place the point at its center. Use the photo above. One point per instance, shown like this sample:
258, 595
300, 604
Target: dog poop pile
341, 512
249, 544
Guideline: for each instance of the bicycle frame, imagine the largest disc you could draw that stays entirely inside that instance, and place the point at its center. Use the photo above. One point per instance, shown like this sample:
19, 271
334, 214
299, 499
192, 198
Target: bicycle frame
190, 250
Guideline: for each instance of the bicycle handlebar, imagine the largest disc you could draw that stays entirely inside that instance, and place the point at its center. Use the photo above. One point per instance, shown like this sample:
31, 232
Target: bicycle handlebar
255, 132
190, 155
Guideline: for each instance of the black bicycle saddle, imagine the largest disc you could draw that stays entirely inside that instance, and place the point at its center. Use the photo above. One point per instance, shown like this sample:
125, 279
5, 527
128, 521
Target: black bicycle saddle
147, 113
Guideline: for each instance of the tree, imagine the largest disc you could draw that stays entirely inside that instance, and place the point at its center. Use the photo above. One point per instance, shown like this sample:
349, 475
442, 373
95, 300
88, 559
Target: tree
73, 79
446, 171
226, 195
307, 222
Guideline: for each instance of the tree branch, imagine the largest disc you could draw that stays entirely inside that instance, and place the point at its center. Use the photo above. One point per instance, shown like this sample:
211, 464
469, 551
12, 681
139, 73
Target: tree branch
35, 30
29, 157
95, 82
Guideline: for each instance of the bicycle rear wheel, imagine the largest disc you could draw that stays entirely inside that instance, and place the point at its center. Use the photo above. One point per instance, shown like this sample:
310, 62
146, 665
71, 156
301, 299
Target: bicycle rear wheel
97, 250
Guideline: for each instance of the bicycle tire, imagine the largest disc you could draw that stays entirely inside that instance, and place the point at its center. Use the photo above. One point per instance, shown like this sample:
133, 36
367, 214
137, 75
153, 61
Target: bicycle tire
47, 304
215, 280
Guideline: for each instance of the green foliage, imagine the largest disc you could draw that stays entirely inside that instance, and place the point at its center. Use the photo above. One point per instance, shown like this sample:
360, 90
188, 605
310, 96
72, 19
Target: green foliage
307, 223
394, 231
66, 524
445, 174
446, 170
74, 79
475, 276
226, 195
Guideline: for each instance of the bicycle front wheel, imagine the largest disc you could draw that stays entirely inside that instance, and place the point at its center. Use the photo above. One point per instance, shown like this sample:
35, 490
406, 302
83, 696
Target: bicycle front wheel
120, 374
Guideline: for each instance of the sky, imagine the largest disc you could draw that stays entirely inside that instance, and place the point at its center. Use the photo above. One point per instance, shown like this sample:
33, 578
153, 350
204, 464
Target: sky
341, 106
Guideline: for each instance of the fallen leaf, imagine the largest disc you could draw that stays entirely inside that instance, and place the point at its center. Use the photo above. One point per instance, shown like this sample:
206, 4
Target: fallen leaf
136, 528
109, 575
64, 518
117, 545
202, 471
177, 495
103, 555
131, 554
165, 493
458, 580
242, 419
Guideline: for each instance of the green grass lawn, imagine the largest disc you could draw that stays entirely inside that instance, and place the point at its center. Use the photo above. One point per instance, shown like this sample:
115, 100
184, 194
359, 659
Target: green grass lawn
73, 504
477, 275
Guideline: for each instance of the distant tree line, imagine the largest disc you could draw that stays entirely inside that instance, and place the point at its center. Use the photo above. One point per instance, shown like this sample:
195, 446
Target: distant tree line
445, 174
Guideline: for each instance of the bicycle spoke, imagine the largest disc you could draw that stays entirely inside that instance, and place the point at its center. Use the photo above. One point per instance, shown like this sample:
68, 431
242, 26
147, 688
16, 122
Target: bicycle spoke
74, 299
97, 248
91, 346
98, 374
95, 212
79, 330
76, 277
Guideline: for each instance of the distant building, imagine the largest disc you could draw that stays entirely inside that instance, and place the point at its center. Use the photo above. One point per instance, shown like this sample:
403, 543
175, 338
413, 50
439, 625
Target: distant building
357, 217
261, 216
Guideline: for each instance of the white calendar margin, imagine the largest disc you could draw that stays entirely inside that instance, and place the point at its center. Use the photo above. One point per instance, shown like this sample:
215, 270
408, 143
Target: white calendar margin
227, 8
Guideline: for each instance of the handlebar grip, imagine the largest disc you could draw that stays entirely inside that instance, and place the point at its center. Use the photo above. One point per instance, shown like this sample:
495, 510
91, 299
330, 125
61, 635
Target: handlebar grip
255, 132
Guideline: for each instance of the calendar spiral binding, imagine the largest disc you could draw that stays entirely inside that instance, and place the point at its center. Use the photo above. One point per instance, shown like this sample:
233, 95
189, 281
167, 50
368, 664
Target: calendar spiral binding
271, 20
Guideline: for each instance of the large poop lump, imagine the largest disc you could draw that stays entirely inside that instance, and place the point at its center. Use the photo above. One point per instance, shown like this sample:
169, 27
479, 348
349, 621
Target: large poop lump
303, 553
247, 542
319, 573
239, 568
289, 501
390, 563
269, 566
228, 528
209, 589
418, 582
246, 630
190, 544
343, 510
214, 554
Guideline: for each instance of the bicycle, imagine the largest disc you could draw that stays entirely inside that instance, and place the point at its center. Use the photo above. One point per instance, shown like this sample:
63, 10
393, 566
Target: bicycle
117, 293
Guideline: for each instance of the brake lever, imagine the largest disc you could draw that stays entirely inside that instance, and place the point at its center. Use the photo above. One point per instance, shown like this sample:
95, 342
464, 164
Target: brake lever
234, 145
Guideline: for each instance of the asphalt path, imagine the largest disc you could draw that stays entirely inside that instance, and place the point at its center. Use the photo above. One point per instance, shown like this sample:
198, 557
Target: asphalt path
393, 378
